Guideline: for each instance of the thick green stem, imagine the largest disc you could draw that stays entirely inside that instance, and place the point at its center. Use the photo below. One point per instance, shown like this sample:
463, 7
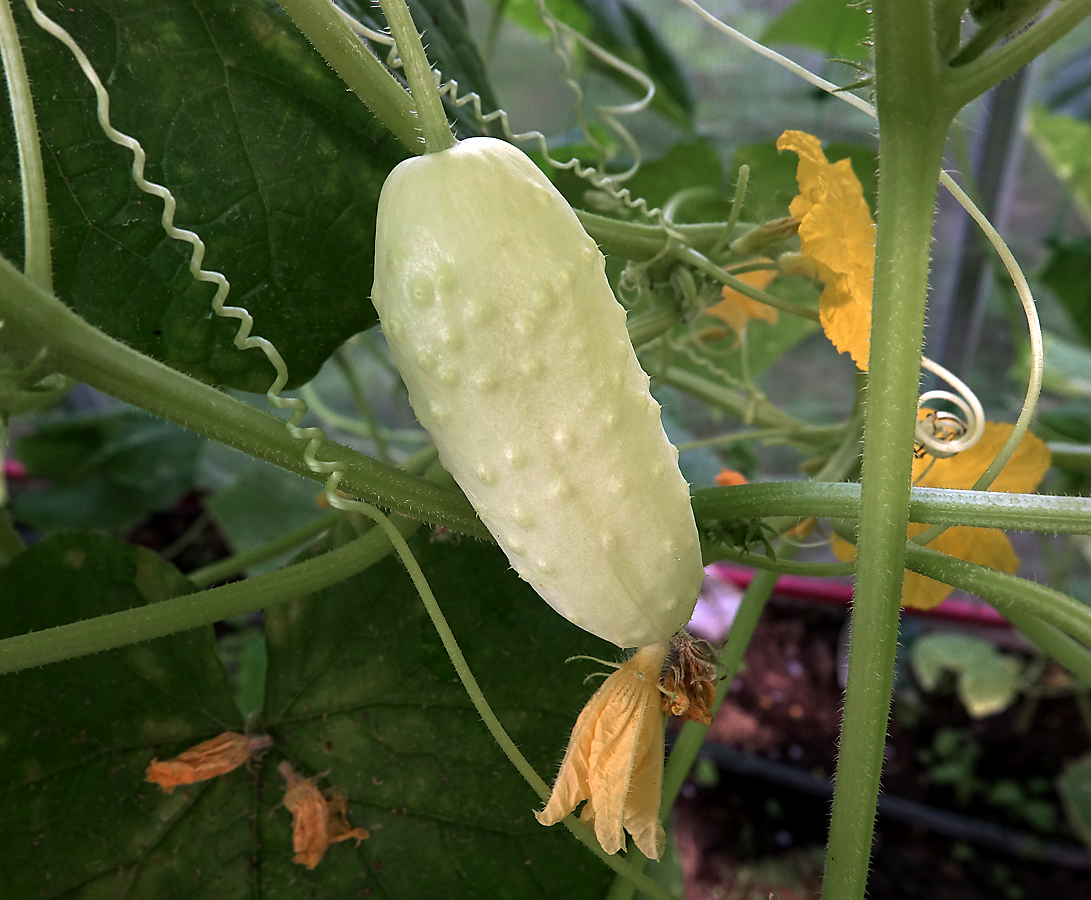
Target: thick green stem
431, 118
632, 240
144, 623
38, 258
912, 132
365, 76
1053, 642
931, 506
1005, 592
34, 318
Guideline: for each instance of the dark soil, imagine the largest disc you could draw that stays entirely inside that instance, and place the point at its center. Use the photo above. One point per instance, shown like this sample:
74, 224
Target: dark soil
753, 822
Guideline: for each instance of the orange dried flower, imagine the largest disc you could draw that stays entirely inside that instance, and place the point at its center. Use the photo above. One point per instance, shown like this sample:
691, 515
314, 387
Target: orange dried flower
614, 759
319, 818
206, 760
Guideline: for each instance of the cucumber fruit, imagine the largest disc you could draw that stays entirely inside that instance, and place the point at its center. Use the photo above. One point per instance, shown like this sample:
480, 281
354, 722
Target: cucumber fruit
496, 307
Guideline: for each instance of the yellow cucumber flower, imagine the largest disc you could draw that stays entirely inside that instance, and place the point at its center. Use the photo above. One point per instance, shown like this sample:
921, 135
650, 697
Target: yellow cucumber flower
837, 233
614, 759
984, 546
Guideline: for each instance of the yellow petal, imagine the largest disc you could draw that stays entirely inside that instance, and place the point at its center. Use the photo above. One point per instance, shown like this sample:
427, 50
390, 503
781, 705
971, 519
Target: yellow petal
842, 549
984, 546
836, 232
736, 309
614, 759
1022, 474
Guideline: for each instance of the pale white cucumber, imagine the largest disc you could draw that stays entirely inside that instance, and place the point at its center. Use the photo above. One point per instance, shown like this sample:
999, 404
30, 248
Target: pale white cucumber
495, 303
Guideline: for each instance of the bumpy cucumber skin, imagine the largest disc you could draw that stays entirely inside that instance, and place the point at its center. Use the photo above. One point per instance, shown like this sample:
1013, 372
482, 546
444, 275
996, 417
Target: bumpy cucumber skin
496, 307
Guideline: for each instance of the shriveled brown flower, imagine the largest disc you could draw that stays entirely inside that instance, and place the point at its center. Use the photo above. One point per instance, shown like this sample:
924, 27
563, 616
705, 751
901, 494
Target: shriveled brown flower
206, 760
319, 818
689, 684
614, 759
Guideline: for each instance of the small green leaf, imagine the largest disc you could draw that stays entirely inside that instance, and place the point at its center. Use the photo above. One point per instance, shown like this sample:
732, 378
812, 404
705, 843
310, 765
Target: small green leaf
108, 471
1065, 142
76, 737
1067, 273
688, 164
1070, 421
987, 681
838, 29
1067, 366
525, 14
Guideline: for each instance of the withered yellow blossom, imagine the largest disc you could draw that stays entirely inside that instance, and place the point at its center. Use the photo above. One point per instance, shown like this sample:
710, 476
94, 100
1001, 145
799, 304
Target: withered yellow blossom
837, 233
319, 818
735, 310
983, 546
614, 759
206, 760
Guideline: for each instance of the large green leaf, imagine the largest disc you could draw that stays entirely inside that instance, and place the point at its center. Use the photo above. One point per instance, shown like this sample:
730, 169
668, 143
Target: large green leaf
76, 737
1068, 274
359, 685
273, 162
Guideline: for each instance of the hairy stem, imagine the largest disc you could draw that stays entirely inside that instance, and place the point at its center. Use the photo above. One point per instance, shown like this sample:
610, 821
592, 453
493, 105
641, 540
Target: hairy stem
38, 259
1005, 592
932, 506
233, 565
358, 67
144, 623
34, 319
431, 118
912, 132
